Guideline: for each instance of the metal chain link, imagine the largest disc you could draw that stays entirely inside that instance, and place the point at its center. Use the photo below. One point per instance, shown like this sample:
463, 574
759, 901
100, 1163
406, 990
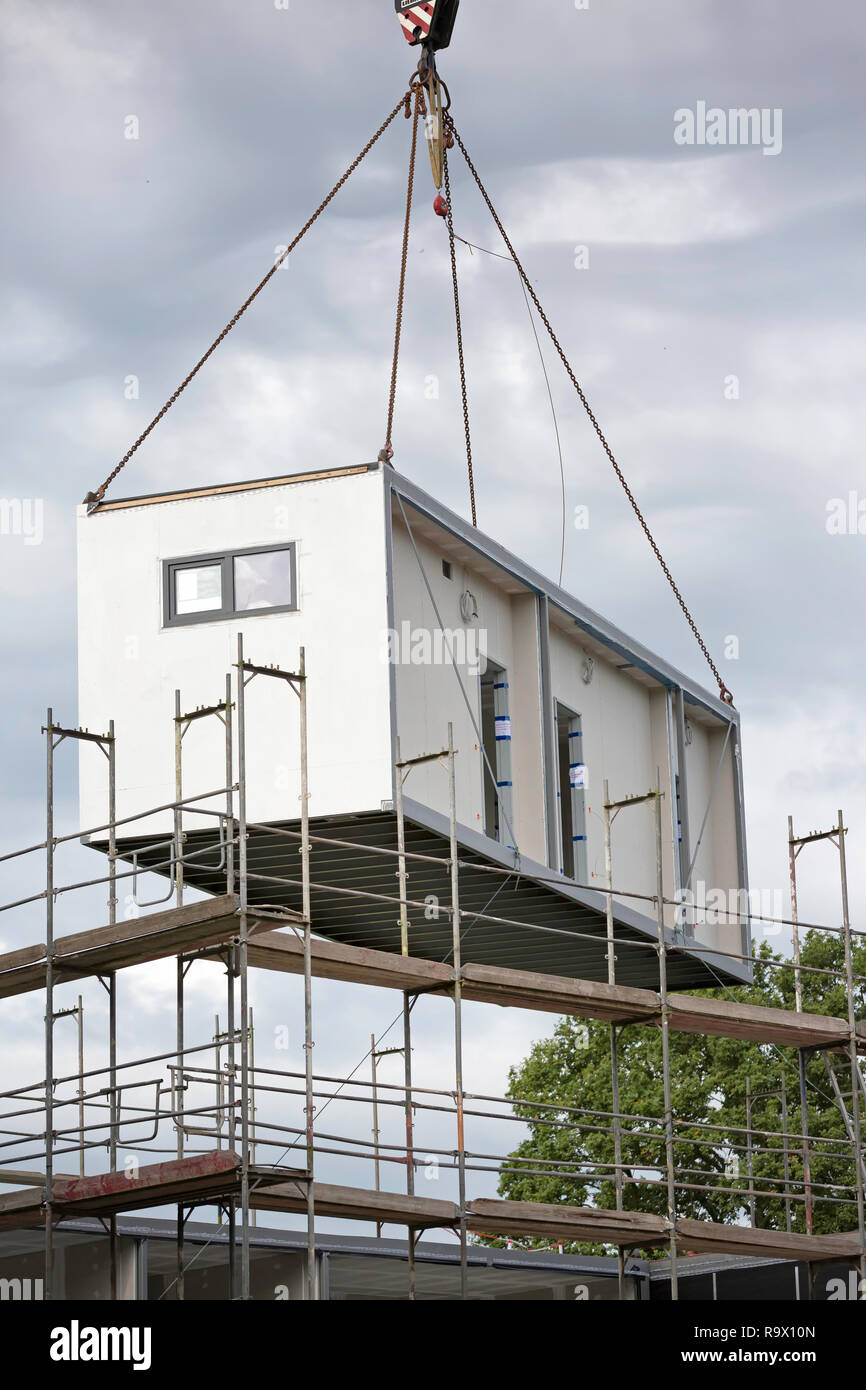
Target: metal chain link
93, 498
388, 452
450, 222
724, 692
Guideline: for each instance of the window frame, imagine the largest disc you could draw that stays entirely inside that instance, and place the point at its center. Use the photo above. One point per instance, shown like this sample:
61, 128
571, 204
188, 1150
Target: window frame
227, 611
576, 796
502, 797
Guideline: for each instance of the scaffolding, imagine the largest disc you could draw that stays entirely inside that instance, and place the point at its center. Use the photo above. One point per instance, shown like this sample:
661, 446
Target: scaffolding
215, 1110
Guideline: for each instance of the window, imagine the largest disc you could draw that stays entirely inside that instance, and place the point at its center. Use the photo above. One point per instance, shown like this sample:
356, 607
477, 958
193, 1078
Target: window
264, 579
496, 742
198, 589
446, 568
212, 587
571, 791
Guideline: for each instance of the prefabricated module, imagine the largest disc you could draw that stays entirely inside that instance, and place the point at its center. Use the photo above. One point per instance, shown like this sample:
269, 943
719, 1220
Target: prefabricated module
412, 621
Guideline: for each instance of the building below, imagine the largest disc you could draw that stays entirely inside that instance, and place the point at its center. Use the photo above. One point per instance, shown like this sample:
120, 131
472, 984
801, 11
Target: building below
353, 1268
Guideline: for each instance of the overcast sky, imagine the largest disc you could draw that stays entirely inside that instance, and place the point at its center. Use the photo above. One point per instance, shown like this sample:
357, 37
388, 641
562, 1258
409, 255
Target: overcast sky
123, 258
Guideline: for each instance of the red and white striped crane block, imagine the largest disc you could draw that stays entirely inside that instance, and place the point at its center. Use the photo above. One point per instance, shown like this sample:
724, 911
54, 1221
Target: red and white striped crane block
416, 21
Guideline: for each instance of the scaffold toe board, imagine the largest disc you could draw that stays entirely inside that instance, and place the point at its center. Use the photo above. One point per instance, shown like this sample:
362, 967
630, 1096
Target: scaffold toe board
198, 1178
705, 1237
633, 1228
333, 960
358, 1204
523, 989
495, 1217
730, 1018
200, 1175
134, 942
28, 1177
22, 1208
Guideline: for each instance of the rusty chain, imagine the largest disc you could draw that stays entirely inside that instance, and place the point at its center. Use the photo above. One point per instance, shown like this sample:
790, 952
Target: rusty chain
94, 498
724, 692
387, 453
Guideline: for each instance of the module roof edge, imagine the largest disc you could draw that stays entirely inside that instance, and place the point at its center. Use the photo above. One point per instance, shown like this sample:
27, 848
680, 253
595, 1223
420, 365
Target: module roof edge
593, 623
150, 499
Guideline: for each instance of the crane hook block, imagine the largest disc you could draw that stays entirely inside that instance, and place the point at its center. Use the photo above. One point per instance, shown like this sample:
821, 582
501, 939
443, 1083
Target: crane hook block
431, 24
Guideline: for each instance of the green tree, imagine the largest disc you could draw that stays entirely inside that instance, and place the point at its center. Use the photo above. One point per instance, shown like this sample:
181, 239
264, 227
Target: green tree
708, 1075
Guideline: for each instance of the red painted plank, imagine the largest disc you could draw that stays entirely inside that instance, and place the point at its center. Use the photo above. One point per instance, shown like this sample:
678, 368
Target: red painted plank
152, 1175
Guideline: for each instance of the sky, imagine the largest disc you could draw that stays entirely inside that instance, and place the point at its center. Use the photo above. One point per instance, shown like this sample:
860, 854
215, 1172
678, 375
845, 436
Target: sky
709, 296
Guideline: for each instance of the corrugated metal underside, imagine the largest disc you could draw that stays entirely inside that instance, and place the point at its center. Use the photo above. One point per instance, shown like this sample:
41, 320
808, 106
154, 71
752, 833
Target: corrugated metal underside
543, 930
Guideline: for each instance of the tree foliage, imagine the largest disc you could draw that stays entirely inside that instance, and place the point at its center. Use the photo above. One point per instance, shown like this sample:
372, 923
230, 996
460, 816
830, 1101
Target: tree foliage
567, 1157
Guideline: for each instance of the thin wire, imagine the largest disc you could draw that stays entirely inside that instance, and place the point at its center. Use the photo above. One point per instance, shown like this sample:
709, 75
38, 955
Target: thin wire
473, 247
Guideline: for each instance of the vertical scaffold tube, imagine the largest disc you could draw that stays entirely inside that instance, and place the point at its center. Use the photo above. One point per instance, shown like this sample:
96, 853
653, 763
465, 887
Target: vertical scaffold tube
403, 881
666, 1050
242, 971
458, 1009
856, 1125
49, 1006
312, 1289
